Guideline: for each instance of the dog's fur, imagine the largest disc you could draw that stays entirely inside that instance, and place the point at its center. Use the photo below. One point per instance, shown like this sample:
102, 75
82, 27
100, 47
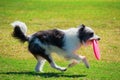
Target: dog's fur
62, 42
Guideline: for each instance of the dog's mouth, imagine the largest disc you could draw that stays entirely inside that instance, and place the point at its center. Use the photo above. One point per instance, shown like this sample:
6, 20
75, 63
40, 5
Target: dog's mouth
95, 37
90, 41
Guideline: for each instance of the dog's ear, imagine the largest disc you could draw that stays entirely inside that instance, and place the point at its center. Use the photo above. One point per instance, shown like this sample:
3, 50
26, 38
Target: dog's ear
82, 27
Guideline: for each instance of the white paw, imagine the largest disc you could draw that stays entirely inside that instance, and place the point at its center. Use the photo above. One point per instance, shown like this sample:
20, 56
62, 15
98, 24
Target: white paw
38, 70
63, 69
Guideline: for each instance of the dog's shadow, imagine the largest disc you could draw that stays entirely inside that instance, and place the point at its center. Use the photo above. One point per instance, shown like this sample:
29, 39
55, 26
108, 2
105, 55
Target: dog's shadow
45, 75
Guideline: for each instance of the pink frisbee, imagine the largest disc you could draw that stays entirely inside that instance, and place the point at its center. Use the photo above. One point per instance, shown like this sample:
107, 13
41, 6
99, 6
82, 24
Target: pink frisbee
96, 49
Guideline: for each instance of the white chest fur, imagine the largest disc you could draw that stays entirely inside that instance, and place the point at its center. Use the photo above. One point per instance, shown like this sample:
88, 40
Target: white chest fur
71, 39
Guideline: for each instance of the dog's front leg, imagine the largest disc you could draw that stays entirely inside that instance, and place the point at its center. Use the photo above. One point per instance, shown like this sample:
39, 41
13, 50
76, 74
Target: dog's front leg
74, 62
78, 58
84, 60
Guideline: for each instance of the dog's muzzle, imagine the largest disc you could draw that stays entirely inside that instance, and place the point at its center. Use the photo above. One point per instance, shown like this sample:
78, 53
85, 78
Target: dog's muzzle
95, 37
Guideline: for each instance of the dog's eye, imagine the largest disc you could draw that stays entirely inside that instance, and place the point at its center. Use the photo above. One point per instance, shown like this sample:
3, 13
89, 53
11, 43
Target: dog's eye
91, 34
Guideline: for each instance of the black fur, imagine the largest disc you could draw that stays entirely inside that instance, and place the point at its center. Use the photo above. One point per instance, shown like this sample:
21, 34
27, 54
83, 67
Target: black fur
17, 33
83, 34
51, 37
36, 50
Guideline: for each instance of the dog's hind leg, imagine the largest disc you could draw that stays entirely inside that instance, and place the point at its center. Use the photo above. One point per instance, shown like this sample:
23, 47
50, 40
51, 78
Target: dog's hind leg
51, 62
54, 65
40, 64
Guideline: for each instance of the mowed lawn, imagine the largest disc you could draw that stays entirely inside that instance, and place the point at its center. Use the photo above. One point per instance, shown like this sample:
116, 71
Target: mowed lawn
16, 62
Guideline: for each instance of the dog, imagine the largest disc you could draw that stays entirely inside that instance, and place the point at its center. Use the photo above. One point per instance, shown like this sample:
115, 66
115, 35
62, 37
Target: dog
63, 42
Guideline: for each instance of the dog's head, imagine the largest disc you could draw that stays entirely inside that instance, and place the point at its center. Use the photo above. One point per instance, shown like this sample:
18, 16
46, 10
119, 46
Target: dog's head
86, 34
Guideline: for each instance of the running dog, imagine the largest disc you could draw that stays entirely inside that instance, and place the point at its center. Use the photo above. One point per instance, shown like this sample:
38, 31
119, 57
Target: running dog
63, 42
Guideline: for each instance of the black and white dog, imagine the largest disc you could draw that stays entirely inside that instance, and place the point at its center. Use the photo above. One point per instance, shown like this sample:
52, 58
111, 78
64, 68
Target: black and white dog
62, 42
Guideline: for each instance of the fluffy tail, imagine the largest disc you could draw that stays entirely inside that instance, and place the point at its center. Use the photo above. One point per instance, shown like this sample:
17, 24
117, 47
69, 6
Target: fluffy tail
20, 30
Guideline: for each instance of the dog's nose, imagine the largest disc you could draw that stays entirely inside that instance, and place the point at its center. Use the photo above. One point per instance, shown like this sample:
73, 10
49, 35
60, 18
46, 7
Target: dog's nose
98, 38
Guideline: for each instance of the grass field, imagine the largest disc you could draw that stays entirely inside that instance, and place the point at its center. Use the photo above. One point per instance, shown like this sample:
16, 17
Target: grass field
16, 63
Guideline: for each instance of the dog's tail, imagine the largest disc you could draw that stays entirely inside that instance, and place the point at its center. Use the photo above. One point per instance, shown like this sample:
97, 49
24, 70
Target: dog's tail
20, 30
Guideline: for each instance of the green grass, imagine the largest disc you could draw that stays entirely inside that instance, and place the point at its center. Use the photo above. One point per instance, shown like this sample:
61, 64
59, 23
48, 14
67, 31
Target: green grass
103, 16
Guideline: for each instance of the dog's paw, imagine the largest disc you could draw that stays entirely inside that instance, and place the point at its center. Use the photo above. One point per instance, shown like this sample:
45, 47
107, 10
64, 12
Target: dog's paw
63, 69
73, 63
37, 70
86, 62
